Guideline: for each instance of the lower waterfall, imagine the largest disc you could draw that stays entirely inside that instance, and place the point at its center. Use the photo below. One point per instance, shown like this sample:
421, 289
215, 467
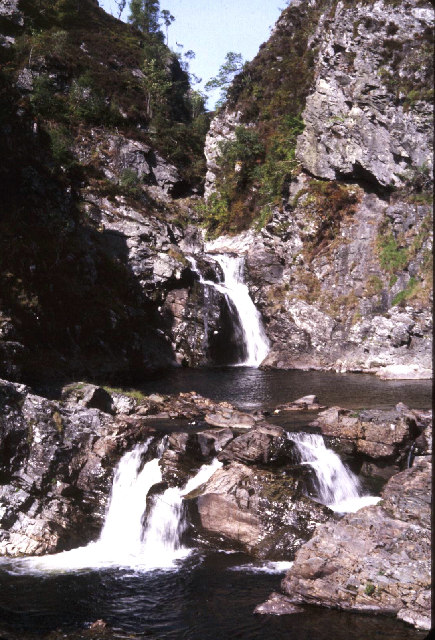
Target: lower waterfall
253, 335
127, 540
336, 486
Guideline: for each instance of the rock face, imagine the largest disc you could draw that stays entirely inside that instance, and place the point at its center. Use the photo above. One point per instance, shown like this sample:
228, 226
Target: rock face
259, 511
341, 269
381, 440
96, 202
376, 560
348, 130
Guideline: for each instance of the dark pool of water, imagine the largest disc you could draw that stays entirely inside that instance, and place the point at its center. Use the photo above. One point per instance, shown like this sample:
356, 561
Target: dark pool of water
249, 388
203, 600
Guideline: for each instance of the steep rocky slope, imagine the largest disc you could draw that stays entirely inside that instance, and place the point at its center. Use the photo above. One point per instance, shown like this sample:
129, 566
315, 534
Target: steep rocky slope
337, 106
323, 150
100, 143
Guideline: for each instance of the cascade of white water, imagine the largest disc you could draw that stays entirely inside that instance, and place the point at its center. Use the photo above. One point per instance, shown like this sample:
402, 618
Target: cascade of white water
336, 486
235, 290
123, 541
167, 523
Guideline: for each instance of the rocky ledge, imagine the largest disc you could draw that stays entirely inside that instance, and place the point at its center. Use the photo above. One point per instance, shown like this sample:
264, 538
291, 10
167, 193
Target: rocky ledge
376, 560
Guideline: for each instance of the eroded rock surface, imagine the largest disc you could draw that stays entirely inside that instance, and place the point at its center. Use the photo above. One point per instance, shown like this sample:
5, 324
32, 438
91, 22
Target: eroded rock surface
376, 560
263, 512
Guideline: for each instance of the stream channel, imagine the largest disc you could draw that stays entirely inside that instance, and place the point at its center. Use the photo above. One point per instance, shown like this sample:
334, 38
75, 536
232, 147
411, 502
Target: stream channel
142, 579
204, 594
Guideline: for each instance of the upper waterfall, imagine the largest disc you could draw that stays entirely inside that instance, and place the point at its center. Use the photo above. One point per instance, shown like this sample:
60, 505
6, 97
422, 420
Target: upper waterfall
253, 338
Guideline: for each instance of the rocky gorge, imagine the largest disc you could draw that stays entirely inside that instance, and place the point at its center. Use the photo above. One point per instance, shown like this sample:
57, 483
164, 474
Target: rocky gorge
292, 230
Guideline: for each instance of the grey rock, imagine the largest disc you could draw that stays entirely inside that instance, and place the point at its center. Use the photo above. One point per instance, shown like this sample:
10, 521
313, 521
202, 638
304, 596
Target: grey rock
257, 510
377, 559
352, 122
9, 9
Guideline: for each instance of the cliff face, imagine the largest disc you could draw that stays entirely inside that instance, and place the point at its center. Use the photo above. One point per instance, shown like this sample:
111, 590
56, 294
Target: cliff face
341, 267
323, 150
101, 140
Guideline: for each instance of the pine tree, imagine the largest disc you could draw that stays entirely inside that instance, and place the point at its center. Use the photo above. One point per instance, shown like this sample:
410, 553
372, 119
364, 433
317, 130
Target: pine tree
145, 15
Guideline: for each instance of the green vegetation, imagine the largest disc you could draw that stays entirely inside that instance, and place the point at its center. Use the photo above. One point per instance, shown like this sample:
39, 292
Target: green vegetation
232, 65
374, 286
253, 176
270, 92
392, 256
102, 72
144, 15
130, 183
370, 589
402, 297
131, 393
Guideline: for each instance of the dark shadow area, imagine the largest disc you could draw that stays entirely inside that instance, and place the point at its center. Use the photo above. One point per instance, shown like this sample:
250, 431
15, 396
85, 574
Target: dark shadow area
68, 297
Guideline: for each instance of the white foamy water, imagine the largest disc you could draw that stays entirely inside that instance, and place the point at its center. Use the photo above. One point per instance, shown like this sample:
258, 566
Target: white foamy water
280, 566
253, 336
167, 523
126, 540
337, 487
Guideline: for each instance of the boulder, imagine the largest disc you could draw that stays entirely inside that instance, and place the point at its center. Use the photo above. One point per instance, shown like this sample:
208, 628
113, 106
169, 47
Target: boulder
186, 452
375, 560
262, 445
262, 512
88, 395
381, 439
310, 402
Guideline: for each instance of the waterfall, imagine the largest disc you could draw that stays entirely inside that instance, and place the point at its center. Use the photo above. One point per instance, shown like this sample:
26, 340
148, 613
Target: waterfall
125, 539
252, 337
167, 523
335, 484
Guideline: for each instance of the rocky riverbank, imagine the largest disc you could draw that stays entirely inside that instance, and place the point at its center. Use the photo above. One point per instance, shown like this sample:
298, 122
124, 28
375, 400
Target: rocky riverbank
376, 560
56, 470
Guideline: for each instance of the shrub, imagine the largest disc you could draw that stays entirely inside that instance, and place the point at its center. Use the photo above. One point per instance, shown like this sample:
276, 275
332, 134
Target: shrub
215, 214
44, 100
61, 141
130, 182
407, 293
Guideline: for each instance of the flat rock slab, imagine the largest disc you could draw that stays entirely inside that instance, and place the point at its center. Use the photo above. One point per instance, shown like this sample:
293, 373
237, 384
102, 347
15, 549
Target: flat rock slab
277, 604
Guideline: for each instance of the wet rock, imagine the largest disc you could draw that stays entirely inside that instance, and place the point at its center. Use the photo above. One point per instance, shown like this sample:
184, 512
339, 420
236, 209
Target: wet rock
262, 445
233, 419
262, 512
383, 439
278, 604
186, 452
377, 559
307, 402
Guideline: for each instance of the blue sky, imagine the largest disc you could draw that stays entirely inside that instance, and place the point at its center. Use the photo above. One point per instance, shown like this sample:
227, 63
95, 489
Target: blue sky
211, 28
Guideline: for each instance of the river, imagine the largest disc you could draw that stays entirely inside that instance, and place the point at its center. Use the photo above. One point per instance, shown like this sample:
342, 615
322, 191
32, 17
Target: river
208, 594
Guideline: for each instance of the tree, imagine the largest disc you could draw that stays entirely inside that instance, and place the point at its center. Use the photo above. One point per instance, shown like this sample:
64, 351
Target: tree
232, 65
145, 15
168, 19
121, 6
